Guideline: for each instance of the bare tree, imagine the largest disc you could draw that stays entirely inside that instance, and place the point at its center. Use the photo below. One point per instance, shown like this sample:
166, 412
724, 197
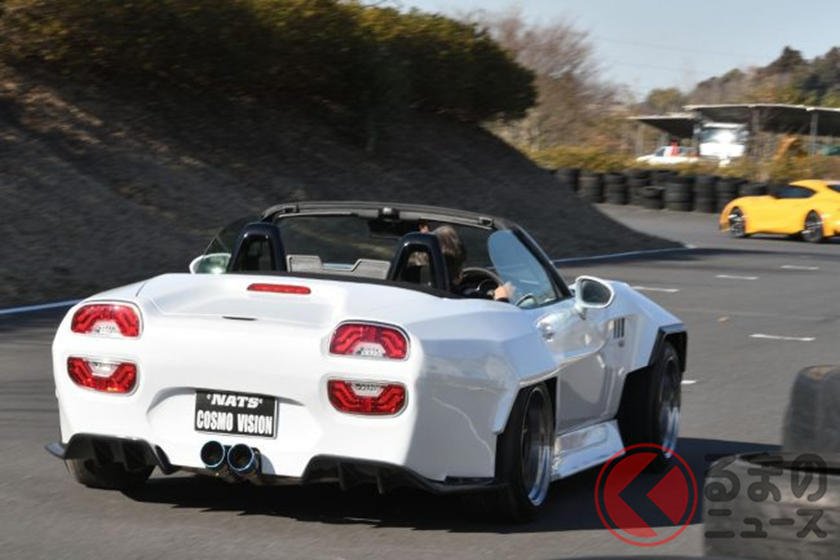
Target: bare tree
572, 99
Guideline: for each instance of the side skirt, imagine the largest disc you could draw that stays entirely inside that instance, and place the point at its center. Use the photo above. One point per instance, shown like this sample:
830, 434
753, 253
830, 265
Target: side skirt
585, 448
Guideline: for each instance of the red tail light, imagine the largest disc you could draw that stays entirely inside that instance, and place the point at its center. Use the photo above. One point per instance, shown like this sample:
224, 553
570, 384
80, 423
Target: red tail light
111, 319
372, 341
366, 398
110, 377
280, 289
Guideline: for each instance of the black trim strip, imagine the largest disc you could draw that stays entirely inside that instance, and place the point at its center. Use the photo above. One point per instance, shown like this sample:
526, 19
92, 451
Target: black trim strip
662, 333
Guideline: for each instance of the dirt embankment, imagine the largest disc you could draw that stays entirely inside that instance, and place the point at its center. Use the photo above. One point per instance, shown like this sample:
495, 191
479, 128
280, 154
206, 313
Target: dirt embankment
100, 188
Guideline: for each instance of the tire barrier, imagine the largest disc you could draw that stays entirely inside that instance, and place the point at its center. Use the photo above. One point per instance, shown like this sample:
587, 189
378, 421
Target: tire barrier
591, 187
679, 194
752, 189
568, 177
634, 190
661, 176
705, 194
726, 190
652, 197
659, 188
615, 189
637, 179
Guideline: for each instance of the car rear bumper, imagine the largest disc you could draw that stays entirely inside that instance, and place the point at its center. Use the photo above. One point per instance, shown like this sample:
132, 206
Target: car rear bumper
344, 471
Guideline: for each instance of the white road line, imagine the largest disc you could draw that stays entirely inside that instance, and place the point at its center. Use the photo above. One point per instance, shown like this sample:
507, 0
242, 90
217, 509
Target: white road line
777, 337
647, 289
622, 255
689, 381
799, 267
735, 277
41, 307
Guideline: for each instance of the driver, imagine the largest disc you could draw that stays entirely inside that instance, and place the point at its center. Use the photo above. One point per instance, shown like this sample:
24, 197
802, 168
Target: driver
455, 255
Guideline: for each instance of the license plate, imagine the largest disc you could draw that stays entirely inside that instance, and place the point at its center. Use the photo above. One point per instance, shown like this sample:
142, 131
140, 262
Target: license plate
220, 412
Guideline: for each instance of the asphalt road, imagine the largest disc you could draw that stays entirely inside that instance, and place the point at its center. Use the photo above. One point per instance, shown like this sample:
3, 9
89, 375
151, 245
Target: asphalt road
727, 291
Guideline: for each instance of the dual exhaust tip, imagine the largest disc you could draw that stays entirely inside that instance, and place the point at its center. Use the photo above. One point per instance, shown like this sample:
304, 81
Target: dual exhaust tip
239, 459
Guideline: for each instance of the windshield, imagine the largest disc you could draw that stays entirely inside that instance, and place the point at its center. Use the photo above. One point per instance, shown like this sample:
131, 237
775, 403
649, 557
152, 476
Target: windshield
722, 135
517, 265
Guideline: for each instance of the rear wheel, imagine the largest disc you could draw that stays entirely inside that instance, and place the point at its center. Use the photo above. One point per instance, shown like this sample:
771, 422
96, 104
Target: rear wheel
111, 476
523, 458
650, 406
813, 230
737, 223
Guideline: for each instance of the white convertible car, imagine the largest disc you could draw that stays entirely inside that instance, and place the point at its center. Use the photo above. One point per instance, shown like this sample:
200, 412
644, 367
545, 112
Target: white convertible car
331, 342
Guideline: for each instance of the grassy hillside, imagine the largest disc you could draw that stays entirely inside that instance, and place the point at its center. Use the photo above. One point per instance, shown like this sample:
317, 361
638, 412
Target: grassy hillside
102, 185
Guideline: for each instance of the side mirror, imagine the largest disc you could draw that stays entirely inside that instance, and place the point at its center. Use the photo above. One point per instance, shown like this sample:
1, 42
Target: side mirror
212, 263
592, 293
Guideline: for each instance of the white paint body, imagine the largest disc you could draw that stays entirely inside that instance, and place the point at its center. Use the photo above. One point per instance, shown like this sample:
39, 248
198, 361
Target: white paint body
467, 360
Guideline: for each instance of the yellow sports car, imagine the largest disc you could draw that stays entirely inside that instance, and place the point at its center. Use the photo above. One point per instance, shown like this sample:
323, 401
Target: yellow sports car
810, 209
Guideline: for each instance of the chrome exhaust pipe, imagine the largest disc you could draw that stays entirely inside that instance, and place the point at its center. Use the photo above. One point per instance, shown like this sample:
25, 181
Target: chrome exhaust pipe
243, 460
213, 455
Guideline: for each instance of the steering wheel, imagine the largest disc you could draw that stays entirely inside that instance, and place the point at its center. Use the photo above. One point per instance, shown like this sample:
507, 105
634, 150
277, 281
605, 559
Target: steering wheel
480, 279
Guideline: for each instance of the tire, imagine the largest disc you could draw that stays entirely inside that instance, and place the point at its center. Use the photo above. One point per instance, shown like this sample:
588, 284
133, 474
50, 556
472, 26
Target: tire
110, 476
616, 192
650, 405
662, 176
726, 190
620, 199
751, 507
752, 189
637, 174
705, 197
812, 419
737, 224
568, 177
679, 194
705, 205
813, 230
679, 206
706, 182
524, 481
591, 188
652, 198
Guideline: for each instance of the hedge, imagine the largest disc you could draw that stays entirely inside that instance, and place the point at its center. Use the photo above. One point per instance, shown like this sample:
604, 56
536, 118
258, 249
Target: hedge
362, 58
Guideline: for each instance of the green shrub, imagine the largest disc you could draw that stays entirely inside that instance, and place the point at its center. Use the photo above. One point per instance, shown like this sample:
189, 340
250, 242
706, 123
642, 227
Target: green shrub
589, 159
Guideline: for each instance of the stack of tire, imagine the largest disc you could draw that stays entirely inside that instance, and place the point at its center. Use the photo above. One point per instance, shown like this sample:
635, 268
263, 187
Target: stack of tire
705, 194
568, 177
679, 193
637, 180
652, 197
591, 187
752, 189
661, 176
786, 504
615, 189
726, 191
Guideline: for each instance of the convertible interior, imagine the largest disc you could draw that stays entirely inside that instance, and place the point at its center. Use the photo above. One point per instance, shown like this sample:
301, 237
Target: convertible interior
384, 249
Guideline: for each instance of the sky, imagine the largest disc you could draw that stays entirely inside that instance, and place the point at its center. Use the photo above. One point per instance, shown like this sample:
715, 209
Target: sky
648, 44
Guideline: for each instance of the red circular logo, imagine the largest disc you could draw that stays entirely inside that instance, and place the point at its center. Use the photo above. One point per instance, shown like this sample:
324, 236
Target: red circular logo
645, 509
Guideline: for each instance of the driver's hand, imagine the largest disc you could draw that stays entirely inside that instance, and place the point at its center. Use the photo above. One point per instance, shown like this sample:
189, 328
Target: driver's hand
504, 292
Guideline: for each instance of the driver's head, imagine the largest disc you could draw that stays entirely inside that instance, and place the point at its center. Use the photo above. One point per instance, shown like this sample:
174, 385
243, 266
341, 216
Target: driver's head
453, 250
